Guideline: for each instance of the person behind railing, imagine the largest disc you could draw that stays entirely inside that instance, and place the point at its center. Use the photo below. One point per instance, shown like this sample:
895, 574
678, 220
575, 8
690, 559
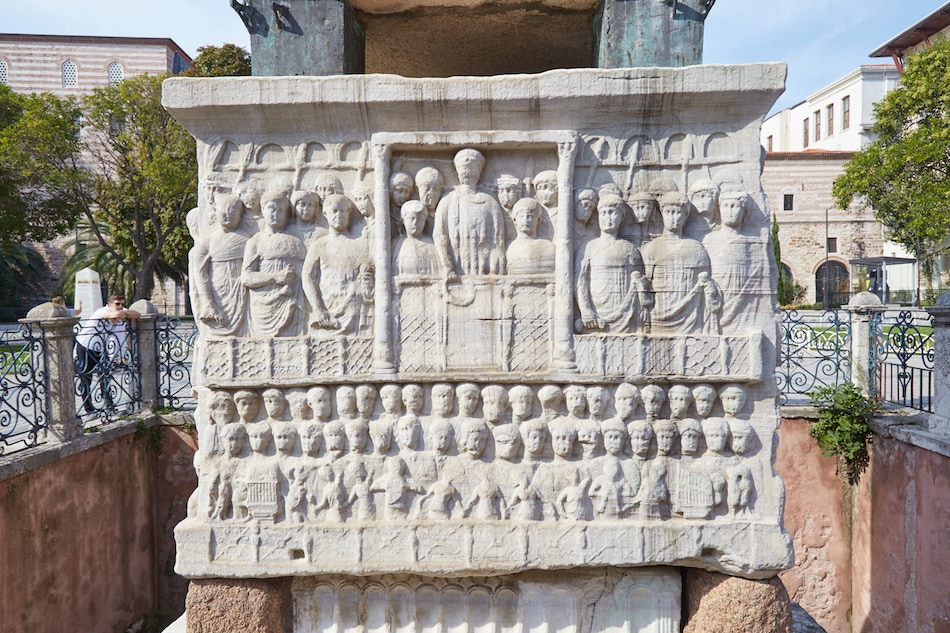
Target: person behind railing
101, 338
74, 311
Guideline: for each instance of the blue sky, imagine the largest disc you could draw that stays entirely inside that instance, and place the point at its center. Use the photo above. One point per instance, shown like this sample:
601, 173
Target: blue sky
821, 40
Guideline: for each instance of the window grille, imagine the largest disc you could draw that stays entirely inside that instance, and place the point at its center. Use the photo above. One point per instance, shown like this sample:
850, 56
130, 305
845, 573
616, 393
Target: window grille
4, 73
70, 74
116, 73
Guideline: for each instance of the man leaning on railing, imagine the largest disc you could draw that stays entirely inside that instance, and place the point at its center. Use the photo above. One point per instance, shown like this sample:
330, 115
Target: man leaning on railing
101, 338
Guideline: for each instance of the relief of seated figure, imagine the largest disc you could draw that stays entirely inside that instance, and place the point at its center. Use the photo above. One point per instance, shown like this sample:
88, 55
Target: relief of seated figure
687, 300
222, 298
612, 293
338, 275
529, 254
469, 230
414, 253
271, 272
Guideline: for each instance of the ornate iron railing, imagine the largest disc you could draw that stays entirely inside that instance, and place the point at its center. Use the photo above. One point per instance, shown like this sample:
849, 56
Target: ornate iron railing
108, 370
175, 342
902, 358
815, 352
23, 389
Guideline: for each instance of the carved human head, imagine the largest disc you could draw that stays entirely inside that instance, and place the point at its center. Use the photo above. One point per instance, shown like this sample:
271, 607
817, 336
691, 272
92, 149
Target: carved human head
653, 397
563, 435
234, 436
533, 433
644, 205
429, 184
732, 398
625, 400
285, 437
357, 471
228, 209
551, 397
248, 403
467, 395
507, 441
585, 203
412, 398
391, 397
440, 435
732, 208
311, 436
346, 401
338, 210
366, 400
641, 436
275, 207
704, 397
522, 401
274, 403
222, 408
363, 199
716, 432
259, 435
742, 436
494, 403
704, 194
597, 398
590, 436
297, 404
615, 436
526, 215
611, 211
509, 190
250, 193
357, 433
545, 187
690, 432
666, 432
474, 437
414, 217
443, 399
675, 212
327, 185
319, 400
334, 436
407, 432
381, 434
680, 398
575, 397
469, 164
400, 188
306, 205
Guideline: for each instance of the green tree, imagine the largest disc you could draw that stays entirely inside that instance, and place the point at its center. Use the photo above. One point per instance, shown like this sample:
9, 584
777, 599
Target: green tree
905, 174
21, 268
790, 291
227, 60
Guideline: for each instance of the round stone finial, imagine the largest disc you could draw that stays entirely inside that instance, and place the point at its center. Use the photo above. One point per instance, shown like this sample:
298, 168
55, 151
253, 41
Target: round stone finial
865, 299
48, 310
144, 306
943, 301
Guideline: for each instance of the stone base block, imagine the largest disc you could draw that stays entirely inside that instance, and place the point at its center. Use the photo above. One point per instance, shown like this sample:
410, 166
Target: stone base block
716, 603
251, 606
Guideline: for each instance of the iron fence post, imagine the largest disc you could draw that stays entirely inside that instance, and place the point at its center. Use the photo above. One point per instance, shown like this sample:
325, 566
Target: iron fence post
940, 418
865, 308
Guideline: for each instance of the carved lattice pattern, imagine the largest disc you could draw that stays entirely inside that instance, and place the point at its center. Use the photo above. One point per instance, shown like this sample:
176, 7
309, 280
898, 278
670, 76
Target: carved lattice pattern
530, 342
418, 331
703, 356
253, 357
359, 355
326, 357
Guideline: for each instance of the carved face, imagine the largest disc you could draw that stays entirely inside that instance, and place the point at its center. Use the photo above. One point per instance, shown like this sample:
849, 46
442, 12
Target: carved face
625, 402
391, 399
508, 194
274, 403
414, 221
475, 440
589, 434
346, 401
733, 399
429, 193
652, 401
363, 199
234, 440
613, 441
356, 436
251, 198
306, 207
400, 189
642, 210
328, 185
597, 401
732, 210
679, 402
740, 441
406, 432
715, 438
222, 409
247, 406
665, 436
412, 398
441, 438
704, 200
610, 215
522, 402
443, 400
507, 445
334, 436
546, 192
704, 400
576, 400
229, 213
285, 437
562, 441
338, 214
310, 438
584, 207
526, 219
468, 399
640, 438
382, 436
468, 165
259, 435
319, 400
494, 405
297, 403
689, 442
674, 216
534, 440
365, 400
275, 213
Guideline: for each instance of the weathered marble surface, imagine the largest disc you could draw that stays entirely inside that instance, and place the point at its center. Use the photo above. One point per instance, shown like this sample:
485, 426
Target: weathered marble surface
453, 299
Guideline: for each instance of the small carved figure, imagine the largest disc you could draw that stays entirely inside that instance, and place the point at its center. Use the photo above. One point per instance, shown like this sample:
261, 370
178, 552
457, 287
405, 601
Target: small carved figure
442, 497
740, 481
612, 293
487, 502
398, 489
414, 253
250, 193
332, 497
429, 184
363, 200
338, 275
688, 301
271, 272
644, 210
361, 494
296, 502
607, 491
573, 503
529, 254
408, 428
248, 404
222, 412
218, 259
259, 435
509, 191
469, 230
585, 204
346, 403
589, 433
306, 205
381, 429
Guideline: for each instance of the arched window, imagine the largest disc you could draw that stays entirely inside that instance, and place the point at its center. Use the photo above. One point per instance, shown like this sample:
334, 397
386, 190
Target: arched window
4, 72
116, 73
787, 272
831, 285
70, 74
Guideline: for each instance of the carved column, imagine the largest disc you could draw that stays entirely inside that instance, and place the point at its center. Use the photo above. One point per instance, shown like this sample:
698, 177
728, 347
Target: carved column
940, 418
383, 332
56, 327
564, 263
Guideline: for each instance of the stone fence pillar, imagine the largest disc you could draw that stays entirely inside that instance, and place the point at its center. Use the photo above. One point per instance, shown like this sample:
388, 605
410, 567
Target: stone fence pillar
940, 418
148, 351
57, 329
863, 308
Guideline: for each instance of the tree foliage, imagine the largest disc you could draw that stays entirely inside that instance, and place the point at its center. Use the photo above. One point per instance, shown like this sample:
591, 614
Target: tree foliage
790, 291
21, 268
905, 174
227, 60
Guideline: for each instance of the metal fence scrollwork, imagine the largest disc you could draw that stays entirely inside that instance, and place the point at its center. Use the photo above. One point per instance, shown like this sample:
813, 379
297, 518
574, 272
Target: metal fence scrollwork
816, 352
23, 387
175, 342
108, 370
902, 352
